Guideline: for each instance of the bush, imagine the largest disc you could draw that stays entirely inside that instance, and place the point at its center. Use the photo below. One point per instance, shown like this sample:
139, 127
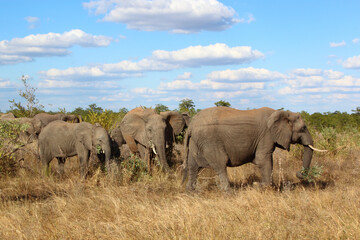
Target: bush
9, 142
106, 118
133, 169
312, 173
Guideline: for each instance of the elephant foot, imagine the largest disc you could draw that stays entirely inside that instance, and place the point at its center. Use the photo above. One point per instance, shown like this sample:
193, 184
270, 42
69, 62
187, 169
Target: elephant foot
299, 175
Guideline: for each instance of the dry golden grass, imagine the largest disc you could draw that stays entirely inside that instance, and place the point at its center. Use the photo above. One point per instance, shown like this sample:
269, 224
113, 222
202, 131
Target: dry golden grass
157, 207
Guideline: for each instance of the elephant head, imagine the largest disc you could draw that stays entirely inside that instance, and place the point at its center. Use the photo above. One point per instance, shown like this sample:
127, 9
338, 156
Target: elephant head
289, 128
97, 140
117, 140
71, 118
146, 131
32, 130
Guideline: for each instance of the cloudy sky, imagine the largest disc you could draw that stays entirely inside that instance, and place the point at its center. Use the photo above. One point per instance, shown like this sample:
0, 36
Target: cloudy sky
297, 55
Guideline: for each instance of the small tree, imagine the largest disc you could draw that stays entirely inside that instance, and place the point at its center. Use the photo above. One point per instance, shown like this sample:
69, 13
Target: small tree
222, 103
32, 103
356, 111
161, 108
94, 108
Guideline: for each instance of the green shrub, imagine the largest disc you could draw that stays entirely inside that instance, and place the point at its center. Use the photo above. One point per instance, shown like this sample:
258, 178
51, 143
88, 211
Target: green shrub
106, 118
312, 173
9, 142
134, 169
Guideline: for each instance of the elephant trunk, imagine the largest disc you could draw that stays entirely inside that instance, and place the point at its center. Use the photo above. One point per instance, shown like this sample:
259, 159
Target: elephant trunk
307, 157
107, 152
307, 141
160, 151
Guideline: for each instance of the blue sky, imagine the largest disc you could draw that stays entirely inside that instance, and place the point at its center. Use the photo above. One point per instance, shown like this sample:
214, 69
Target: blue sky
297, 55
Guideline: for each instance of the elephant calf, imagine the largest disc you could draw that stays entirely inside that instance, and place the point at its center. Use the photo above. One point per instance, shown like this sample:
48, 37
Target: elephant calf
61, 139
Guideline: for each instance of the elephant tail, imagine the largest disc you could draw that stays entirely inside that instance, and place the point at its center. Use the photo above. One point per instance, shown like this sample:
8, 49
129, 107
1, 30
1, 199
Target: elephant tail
186, 155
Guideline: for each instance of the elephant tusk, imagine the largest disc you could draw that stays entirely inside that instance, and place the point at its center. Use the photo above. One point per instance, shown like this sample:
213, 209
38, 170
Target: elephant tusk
315, 149
153, 148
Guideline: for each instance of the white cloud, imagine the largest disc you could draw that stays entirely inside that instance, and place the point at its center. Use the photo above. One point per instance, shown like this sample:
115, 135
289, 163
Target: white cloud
147, 91
5, 83
250, 19
77, 84
245, 75
356, 40
86, 73
184, 76
6, 59
160, 60
307, 72
303, 81
32, 21
216, 54
340, 44
51, 44
209, 84
179, 84
245, 78
177, 16
352, 63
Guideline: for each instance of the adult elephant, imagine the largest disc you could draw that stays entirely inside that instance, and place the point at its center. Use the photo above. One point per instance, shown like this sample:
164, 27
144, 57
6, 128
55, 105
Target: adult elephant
8, 115
60, 139
147, 132
46, 118
221, 137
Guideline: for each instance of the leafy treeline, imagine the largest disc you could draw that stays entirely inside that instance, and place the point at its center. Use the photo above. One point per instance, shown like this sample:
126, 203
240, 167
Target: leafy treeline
340, 121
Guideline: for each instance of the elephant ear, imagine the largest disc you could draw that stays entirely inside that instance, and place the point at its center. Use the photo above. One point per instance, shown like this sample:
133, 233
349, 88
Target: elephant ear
63, 117
187, 118
280, 127
37, 125
133, 130
84, 132
175, 120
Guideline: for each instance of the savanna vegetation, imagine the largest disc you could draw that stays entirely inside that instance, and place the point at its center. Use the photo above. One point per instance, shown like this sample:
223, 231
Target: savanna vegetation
128, 202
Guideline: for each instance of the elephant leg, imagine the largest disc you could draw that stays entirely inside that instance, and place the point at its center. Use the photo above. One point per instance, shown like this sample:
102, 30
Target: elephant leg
45, 160
61, 163
192, 171
217, 159
144, 155
265, 164
223, 177
84, 158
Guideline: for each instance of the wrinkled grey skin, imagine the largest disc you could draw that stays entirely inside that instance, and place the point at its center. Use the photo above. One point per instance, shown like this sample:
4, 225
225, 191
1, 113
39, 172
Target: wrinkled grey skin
117, 141
144, 129
223, 137
46, 118
61, 139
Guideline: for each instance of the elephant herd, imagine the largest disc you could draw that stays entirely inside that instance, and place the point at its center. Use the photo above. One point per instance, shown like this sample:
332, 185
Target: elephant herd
216, 138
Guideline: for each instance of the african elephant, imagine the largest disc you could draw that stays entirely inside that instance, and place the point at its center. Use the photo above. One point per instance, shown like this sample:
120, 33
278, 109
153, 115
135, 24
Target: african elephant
147, 132
8, 115
221, 137
46, 118
62, 139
